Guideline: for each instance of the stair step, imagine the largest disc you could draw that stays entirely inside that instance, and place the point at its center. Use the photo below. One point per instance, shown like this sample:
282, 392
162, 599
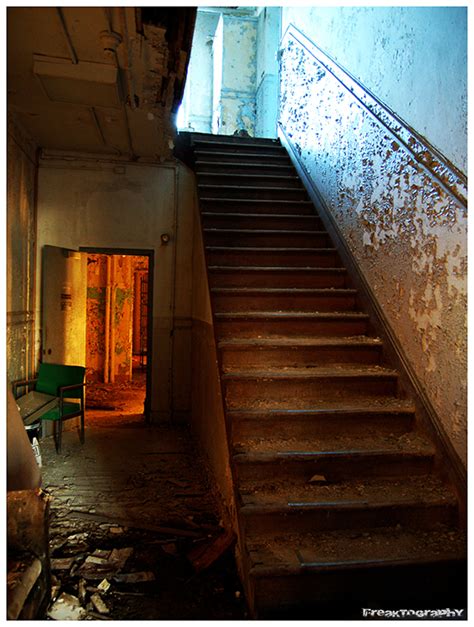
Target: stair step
307, 351
232, 179
267, 256
268, 157
258, 221
368, 568
260, 276
292, 508
244, 167
364, 417
262, 237
257, 205
242, 324
279, 299
211, 138
297, 388
289, 459
240, 148
253, 192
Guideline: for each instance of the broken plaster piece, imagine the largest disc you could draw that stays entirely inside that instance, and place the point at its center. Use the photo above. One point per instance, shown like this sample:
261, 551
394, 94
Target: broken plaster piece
67, 607
99, 604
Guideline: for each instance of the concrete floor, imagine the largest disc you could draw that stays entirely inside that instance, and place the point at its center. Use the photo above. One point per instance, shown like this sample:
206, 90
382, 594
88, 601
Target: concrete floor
119, 490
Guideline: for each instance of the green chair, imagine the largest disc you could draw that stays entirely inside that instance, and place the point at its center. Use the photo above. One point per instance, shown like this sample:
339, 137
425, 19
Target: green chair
58, 395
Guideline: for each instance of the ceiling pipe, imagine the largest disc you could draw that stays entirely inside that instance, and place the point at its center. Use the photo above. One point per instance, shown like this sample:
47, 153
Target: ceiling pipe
72, 52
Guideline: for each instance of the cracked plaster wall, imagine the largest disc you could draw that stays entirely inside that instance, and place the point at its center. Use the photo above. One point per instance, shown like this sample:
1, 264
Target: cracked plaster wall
405, 226
234, 97
98, 203
21, 243
425, 49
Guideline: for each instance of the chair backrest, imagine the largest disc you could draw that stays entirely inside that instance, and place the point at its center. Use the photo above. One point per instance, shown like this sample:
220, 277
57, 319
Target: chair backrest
52, 376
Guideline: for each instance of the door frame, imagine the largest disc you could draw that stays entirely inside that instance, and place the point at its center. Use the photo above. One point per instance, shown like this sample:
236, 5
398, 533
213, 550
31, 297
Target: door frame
147, 252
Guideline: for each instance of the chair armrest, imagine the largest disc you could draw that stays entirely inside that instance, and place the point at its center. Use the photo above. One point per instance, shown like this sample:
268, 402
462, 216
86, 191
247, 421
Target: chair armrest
22, 383
66, 388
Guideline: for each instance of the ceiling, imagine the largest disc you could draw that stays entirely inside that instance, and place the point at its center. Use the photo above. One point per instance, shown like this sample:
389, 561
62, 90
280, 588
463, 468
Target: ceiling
99, 80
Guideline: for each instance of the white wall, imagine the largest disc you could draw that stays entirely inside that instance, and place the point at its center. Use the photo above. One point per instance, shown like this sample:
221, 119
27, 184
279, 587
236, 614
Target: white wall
414, 59
91, 203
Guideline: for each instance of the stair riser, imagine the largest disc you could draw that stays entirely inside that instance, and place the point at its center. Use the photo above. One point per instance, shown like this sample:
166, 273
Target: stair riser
245, 168
241, 206
249, 148
212, 139
274, 158
357, 425
305, 520
272, 259
254, 193
282, 303
255, 179
364, 587
313, 223
277, 279
297, 240
335, 470
297, 355
283, 393
268, 328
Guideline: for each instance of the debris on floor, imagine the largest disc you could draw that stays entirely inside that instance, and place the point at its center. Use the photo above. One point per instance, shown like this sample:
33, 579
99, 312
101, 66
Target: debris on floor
139, 539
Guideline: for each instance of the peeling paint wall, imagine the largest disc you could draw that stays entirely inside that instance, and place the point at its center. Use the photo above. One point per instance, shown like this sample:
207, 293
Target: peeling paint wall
21, 243
111, 360
99, 203
400, 208
234, 89
197, 101
266, 98
414, 59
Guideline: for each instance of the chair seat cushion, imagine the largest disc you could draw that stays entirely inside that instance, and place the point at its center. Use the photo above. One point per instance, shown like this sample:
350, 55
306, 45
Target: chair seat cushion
70, 409
34, 404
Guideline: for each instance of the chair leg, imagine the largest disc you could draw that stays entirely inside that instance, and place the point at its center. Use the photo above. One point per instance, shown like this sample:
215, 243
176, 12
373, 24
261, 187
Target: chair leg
82, 428
60, 433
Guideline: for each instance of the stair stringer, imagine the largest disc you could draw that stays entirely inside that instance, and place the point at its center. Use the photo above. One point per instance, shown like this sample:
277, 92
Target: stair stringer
211, 375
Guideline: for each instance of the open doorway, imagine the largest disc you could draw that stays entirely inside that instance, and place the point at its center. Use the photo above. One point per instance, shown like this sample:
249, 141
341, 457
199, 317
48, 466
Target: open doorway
118, 329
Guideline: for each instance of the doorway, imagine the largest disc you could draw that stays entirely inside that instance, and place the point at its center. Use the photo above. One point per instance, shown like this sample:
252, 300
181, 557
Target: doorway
118, 334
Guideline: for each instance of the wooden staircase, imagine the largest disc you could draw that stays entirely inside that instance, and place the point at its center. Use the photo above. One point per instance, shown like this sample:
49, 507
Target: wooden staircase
341, 505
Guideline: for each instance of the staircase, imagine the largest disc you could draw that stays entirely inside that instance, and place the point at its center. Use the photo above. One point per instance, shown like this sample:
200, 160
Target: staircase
340, 502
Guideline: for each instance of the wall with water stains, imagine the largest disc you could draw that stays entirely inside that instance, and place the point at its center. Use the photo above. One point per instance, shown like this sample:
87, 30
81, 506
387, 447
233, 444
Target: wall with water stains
234, 97
414, 59
111, 284
101, 203
400, 206
21, 243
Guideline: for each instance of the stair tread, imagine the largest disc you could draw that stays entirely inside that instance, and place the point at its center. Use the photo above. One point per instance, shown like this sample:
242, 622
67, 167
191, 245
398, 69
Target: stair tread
241, 164
284, 341
329, 291
270, 448
251, 187
278, 201
297, 552
299, 315
371, 492
348, 406
276, 269
273, 249
293, 177
208, 229
310, 372
236, 153
273, 216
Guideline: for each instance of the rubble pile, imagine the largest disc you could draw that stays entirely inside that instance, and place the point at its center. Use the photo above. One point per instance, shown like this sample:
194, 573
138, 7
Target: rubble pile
103, 571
